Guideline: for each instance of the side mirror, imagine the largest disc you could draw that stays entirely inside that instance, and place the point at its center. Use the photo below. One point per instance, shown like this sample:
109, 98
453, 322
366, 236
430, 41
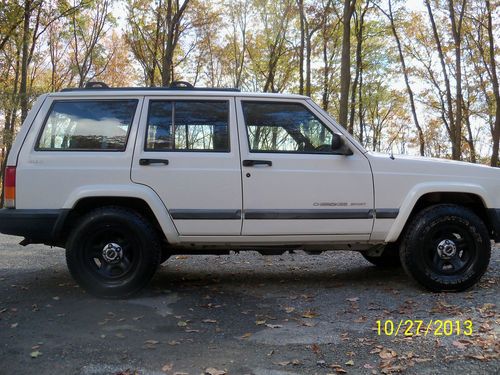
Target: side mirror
339, 146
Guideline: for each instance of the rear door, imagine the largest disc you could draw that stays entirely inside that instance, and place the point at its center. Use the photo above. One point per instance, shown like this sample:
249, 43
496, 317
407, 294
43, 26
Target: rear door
187, 151
293, 183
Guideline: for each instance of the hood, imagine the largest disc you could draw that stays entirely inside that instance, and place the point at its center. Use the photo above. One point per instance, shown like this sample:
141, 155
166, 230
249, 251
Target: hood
431, 166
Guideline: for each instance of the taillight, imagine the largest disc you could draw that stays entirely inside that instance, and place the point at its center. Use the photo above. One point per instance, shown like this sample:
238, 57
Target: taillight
10, 187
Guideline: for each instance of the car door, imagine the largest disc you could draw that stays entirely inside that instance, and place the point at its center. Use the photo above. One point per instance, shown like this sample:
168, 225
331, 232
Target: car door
187, 152
293, 183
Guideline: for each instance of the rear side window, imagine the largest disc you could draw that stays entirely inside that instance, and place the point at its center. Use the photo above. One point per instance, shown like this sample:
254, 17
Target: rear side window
188, 126
87, 125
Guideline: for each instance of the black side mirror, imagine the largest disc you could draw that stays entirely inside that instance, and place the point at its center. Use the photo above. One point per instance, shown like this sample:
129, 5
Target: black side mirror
336, 141
338, 145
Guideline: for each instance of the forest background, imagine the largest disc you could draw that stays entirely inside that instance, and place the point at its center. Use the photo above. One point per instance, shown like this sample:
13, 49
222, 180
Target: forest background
415, 77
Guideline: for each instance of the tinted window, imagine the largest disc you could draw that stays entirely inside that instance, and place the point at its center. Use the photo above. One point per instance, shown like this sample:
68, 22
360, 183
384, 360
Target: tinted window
88, 125
285, 127
188, 126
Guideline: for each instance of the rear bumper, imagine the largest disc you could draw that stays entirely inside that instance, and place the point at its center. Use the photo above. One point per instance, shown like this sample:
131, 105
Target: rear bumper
494, 214
37, 226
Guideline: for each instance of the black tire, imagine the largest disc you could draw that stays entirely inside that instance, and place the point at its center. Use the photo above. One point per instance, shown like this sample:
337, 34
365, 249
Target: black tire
113, 252
388, 259
165, 253
438, 265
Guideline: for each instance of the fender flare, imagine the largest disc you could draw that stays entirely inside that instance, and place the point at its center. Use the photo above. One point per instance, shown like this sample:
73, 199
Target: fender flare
138, 191
420, 190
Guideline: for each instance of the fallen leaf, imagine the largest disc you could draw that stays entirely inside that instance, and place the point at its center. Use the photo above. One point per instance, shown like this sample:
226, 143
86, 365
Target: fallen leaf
167, 367
182, 323
35, 354
260, 322
151, 342
387, 353
209, 321
310, 314
459, 345
353, 299
289, 310
181, 257
214, 371
246, 335
350, 362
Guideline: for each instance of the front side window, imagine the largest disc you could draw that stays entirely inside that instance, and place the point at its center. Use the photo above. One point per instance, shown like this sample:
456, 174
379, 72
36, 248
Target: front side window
285, 127
189, 125
87, 125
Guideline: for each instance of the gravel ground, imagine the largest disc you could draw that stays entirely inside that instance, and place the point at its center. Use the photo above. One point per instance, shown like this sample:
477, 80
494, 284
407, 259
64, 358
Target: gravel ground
240, 314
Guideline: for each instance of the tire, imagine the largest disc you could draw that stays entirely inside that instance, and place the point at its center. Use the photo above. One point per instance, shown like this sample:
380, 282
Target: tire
113, 252
439, 265
165, 254
388, 259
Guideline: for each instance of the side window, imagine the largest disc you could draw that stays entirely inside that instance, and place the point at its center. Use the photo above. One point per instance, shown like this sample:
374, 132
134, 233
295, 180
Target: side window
188, 126
285, 127
87, 125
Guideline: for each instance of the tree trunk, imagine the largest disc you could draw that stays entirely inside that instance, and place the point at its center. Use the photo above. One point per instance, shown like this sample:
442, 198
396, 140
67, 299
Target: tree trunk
300, 4
449, 110
24, 60
496, 127
345, 65
409, 90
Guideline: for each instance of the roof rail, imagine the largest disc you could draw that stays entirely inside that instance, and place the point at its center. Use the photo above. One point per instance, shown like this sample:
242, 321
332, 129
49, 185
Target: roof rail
96, 85
175, 85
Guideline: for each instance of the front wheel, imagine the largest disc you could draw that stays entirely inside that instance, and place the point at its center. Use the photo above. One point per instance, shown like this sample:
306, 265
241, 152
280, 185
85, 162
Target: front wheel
113, 252
446, 248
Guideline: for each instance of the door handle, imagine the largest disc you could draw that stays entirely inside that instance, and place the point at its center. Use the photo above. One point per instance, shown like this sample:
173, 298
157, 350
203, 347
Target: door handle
153, 161
251, 163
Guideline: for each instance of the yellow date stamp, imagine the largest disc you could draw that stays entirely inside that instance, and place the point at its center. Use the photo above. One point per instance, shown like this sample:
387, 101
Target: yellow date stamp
416, 327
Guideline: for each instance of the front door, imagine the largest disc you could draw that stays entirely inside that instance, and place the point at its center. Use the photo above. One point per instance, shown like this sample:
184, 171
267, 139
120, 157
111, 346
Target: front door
293, 184
187, 152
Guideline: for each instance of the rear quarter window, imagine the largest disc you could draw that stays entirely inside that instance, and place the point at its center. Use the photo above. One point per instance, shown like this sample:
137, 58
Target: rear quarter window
87, 125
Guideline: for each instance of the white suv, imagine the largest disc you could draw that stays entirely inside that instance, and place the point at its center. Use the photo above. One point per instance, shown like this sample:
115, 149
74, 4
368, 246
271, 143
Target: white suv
125, 177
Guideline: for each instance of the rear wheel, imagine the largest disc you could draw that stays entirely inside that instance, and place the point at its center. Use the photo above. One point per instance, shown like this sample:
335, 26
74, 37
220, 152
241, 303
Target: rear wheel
113, 252
446, 248
388, 259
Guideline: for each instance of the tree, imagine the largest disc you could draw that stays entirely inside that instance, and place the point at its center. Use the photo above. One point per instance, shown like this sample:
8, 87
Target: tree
404, 69
345, 69
153, 36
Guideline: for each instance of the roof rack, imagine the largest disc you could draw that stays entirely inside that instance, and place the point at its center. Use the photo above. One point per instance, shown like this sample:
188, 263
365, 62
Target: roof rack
176, 85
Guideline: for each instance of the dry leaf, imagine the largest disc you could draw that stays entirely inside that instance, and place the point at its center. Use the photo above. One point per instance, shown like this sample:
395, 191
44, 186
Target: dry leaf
209, 321
289, 309
246, 335
387, 353
167, 367
350, 362
353, 299
35, 354
310, 314
214, 371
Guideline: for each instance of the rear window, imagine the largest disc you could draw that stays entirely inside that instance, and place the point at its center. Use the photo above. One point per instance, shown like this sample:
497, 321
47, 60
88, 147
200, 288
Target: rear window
87, 125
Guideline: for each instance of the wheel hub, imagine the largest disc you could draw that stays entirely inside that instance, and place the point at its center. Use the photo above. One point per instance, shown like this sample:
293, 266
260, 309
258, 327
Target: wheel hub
446, 249
112, 253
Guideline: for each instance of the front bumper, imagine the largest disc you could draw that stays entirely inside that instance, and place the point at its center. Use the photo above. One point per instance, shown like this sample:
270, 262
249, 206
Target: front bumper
36, 226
